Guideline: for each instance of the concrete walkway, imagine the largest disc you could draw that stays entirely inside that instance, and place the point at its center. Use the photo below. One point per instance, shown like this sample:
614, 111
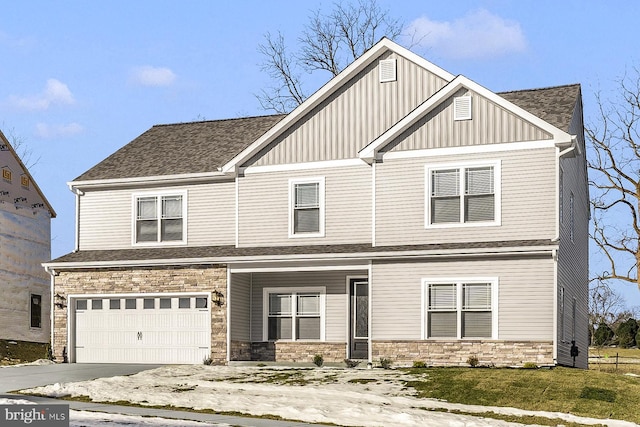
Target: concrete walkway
21, 377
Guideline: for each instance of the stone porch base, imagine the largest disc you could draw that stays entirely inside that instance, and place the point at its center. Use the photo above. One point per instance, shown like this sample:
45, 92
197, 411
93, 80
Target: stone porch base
297, 352
456, 353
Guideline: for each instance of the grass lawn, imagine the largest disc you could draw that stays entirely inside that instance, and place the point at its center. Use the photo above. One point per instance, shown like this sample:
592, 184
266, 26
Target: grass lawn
587, 393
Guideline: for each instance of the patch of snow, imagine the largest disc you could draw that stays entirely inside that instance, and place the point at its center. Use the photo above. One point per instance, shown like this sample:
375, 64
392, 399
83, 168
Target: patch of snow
99, 419
34, 363
349, 397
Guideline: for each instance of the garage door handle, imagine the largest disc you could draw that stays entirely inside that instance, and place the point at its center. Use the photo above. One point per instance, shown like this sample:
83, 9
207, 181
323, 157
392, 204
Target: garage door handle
139, 336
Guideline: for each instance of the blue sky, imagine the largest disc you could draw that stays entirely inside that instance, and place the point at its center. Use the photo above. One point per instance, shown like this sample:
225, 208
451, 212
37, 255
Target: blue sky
81, 79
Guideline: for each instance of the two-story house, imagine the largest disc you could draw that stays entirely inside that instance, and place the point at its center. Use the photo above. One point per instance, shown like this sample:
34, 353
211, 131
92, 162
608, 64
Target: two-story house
399, 212
25, 243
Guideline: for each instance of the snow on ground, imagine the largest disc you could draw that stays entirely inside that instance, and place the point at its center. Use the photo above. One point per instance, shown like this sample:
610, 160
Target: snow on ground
349, 397
98, 419
34, 363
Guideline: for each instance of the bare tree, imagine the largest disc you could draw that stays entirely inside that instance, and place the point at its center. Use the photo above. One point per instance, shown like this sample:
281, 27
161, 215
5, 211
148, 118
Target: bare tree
615, 180
22, 148
606, 306
328, 43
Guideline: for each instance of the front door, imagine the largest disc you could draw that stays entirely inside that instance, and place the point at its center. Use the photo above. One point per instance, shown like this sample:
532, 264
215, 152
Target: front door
359, 319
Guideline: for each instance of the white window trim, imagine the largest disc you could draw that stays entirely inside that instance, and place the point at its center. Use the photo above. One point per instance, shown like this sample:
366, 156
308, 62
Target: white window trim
497, 191
158, 194
459, 281
322, 290
292, 199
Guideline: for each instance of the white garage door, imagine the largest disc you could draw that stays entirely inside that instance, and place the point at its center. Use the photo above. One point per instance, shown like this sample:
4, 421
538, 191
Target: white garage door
142, 329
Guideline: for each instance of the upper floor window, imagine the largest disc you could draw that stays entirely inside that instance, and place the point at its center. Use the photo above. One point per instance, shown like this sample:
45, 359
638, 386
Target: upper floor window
306, 216
160, 218
460, 308
463, 195
571, 217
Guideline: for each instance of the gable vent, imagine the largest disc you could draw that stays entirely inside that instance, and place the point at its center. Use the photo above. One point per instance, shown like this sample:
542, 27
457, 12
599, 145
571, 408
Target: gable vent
462, 108
387, 70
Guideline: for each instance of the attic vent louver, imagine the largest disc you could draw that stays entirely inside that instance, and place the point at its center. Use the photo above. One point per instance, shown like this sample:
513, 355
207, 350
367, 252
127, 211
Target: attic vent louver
387, 70
462, 108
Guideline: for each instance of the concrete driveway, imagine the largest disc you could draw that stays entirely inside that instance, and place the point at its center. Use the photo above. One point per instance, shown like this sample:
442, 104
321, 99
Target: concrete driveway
20, 377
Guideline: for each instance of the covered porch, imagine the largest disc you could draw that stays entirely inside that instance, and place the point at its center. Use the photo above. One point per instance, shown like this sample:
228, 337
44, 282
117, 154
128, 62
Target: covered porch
292, 312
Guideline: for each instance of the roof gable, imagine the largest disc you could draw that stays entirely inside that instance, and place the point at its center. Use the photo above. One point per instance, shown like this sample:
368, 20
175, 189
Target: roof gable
370, 152
21, 190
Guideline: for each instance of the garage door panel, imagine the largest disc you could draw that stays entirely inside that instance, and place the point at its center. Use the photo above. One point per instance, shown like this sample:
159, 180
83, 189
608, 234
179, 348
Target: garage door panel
123, 330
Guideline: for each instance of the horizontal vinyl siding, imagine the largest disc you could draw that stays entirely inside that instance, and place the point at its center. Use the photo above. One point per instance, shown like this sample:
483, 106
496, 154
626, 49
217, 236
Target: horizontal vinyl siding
239, 301
354, 116
106, 217
528, 201
573, 258
490, 124
525, 299
336, 298
264, 207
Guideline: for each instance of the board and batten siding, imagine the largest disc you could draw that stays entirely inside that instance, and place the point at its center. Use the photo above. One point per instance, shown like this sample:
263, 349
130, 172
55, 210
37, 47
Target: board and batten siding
354, 116
106, 217
264, 207
573, 259
527, 199
239, 304
490, 124
525, 295
336, 303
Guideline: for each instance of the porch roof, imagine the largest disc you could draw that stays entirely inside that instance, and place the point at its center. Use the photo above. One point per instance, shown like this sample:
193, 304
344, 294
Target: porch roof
228, 254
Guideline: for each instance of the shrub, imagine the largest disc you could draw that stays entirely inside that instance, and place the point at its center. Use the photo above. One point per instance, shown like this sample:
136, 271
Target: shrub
385, 363
207, 361
473, 361
603, 335
419, 364
529, 365
351, 363
626, 333
318, 360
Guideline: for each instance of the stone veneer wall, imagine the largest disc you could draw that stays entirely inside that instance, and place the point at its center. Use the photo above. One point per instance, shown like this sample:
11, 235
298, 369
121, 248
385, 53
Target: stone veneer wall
194, 278
456, 353
283, 351
240, 351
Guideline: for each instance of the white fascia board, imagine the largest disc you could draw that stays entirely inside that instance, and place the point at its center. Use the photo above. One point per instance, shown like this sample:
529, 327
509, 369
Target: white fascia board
329, 88
313, 258
370, 152
145, 180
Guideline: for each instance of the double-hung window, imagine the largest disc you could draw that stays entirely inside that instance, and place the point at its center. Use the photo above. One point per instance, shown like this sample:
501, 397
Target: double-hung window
160, 218
463, 195
294, 315
306, 217
460, 308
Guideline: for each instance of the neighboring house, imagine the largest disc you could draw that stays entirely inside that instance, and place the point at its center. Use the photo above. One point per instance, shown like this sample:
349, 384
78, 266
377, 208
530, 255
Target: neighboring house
25, 243
400, 212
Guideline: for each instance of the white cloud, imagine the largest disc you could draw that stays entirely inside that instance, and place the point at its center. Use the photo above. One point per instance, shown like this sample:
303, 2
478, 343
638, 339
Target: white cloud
152, 76
46, 131
55, 92
478, 34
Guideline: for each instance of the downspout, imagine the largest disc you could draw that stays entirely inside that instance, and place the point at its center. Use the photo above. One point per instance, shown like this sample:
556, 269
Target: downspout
78, 193
555, 305
52, 274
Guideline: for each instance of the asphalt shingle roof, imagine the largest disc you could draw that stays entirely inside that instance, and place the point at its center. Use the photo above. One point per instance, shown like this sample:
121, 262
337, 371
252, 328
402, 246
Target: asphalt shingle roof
205, 146
182, 148
554, 105
211, 252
